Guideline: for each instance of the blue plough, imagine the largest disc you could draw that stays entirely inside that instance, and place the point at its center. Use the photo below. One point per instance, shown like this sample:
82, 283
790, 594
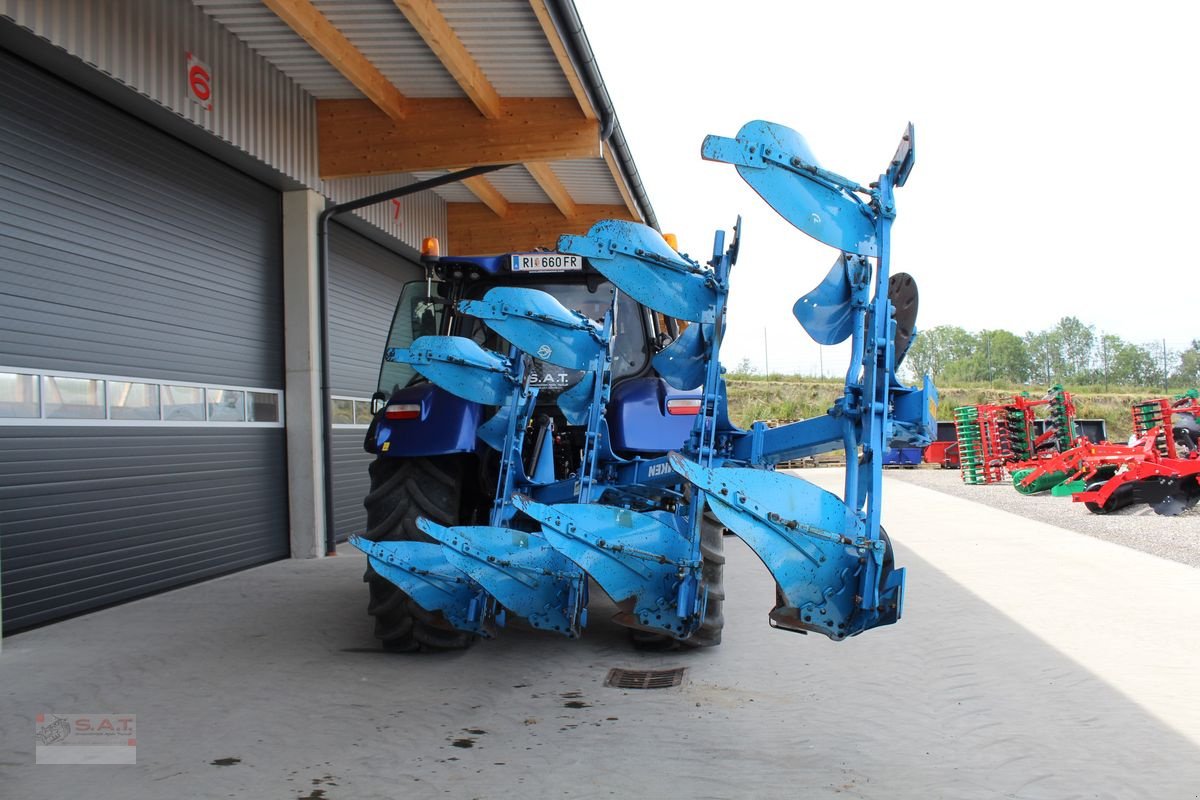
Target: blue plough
633, 524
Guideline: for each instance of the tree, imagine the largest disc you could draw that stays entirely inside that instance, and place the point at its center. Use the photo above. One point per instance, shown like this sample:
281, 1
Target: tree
1007, 358
1045, 356
1110, 345
998, 356
1075, 343
1131, 365
937, 348
744, 367
1188, 374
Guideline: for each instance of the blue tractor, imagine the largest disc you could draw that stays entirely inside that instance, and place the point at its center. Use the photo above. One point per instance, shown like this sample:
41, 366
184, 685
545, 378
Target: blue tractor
552, 420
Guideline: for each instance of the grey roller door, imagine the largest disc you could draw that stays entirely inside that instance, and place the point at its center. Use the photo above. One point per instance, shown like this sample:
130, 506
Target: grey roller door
364, 283
108, 516
124, 252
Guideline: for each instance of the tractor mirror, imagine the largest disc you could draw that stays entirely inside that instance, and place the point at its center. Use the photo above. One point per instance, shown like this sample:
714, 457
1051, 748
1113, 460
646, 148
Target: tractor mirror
377, 402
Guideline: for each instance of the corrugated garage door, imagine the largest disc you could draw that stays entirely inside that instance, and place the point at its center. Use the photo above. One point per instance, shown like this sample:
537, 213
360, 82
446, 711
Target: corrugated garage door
141, 445
364, 283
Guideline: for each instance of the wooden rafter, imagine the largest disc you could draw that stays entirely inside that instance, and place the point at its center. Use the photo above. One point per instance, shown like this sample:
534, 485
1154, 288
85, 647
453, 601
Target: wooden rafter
304, 18
471, 229
553, 187
568, 69
428, 21
564, 59
389, 132
618, 179
491, 197
355, 138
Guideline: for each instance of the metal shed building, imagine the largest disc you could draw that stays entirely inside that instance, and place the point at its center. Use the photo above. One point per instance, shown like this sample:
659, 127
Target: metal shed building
163, 167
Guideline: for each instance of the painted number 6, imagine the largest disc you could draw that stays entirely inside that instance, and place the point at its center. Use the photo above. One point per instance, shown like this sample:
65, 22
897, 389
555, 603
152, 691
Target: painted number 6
198, 80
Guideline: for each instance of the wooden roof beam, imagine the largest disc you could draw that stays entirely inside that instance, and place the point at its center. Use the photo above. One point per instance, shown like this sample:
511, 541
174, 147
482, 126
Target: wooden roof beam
581, 96
356, 138
304, 18
618, 178
428, 21
488, 194
471, 229
564, 59
553, 187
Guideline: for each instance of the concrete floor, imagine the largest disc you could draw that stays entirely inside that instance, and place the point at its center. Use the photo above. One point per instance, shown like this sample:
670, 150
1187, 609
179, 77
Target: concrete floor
1032, 662
1137, 526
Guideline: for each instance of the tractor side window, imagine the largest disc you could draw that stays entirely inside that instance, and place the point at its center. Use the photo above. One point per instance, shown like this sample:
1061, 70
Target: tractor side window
416, 315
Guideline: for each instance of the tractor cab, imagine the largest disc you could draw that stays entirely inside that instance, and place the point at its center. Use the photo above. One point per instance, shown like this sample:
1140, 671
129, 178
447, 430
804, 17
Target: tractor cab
429, 309
645, 415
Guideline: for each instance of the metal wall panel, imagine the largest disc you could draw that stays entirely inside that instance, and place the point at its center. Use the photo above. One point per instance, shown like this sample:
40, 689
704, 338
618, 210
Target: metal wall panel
256, 106
145, 46
420, 215
365, 281
94, 516
130, 253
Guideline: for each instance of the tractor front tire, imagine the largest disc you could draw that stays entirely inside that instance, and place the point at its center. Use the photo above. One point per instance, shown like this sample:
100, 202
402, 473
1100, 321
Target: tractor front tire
712, 550
403, 489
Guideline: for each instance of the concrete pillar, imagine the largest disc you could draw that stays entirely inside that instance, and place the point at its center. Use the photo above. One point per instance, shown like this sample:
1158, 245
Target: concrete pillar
302, 354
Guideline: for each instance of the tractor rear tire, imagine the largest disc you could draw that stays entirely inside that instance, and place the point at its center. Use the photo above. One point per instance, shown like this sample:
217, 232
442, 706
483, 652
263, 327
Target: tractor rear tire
712, 551
403, 489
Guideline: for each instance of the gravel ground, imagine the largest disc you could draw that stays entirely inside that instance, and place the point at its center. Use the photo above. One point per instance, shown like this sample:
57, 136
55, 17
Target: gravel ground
1176, 538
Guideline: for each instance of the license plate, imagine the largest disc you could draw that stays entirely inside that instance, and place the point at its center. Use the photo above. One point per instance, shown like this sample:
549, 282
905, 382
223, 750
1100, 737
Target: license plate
546, 262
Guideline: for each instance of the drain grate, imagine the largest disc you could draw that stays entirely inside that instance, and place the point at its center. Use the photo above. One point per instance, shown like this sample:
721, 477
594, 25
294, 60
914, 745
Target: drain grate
644, 678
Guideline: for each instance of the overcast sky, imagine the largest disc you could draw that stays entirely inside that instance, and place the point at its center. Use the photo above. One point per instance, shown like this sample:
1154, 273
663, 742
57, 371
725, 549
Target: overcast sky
1056, 151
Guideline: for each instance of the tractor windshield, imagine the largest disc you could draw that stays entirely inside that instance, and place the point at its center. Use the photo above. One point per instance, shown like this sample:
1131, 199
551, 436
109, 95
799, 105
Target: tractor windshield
416, 316
629, 341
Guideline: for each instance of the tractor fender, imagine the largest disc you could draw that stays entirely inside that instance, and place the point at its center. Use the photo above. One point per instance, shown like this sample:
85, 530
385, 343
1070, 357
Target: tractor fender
445, 424
639, 420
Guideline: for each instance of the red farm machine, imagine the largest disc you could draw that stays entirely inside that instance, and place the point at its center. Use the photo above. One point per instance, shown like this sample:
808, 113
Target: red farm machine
943, 451
993, 440
1159, 467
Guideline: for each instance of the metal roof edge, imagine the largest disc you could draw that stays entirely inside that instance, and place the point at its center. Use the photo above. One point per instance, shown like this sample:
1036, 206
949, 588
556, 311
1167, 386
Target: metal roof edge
570, 29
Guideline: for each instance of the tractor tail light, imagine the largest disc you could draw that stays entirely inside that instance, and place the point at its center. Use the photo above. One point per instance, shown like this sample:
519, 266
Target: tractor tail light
688, 406
405, 411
